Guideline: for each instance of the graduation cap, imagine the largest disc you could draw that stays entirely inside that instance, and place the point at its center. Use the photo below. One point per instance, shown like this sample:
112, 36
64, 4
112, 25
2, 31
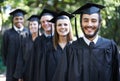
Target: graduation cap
47, 12
61, 15
17, 12
88, 8
33, 18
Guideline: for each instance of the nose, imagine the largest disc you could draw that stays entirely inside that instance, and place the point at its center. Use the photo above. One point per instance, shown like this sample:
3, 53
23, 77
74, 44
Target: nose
18, 20
90, 24
62, 26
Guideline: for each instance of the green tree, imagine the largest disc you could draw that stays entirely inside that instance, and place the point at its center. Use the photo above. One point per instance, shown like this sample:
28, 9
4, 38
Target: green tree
111, 14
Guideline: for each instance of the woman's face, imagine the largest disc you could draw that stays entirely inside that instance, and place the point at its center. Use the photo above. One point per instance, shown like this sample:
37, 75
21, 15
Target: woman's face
63, 27
33, 26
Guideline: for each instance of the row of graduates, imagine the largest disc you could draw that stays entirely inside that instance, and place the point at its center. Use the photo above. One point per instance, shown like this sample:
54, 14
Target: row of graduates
23, 48
44, 55
54, 57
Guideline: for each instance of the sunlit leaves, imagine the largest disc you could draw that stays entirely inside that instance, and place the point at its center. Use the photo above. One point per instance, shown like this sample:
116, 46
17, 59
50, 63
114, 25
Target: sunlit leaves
111, 14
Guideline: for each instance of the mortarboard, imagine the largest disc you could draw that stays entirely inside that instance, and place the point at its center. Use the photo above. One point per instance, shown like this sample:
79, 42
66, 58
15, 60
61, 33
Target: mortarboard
61, 15
88, 8
18, 12
33, 18
47, 12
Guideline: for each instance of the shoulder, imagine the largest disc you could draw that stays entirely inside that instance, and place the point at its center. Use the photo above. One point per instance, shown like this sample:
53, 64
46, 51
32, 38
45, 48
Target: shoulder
107, 41
102, 39
37, 40
75, 45
77, 42
7, 31
109, 44
25, 28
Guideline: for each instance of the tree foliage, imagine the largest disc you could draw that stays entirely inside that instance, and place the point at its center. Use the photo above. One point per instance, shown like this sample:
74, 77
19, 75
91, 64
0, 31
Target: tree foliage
111, 14
110, 27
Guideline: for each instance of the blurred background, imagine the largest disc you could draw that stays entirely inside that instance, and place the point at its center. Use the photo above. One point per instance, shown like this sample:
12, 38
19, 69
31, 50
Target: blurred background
110, 27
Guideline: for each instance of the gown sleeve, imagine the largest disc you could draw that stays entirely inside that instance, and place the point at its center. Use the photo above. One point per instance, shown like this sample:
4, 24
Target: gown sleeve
20, 61
115, 63
5, 46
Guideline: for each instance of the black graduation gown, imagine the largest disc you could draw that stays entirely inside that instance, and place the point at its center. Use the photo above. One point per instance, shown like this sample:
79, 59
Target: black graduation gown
23, 68
40, 46
82, 63
50, 62
10, 47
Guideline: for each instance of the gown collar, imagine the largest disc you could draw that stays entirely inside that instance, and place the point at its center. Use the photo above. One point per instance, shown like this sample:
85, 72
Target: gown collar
88, 41
18, 29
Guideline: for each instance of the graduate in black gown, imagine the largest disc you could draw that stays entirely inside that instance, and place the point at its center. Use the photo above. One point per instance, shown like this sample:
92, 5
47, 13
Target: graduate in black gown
23, 69
11, 42
62, 38
91, 57
41, 41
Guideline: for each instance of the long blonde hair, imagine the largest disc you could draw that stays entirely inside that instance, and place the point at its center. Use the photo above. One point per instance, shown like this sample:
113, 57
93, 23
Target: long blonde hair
56, 35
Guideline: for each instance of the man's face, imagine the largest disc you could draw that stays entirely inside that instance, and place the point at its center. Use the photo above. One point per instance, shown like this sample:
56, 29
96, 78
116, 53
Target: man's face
90, 25
18, 21
46, 25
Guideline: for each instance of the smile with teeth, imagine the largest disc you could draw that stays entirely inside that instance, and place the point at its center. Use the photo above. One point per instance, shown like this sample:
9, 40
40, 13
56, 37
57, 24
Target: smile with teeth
89, 28
63, 30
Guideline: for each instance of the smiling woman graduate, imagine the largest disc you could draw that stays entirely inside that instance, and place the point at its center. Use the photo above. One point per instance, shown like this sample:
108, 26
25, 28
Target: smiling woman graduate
62, 38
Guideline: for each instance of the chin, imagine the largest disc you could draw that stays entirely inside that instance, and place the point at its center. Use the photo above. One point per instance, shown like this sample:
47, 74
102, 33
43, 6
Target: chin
18, 26
89, 36
92, 35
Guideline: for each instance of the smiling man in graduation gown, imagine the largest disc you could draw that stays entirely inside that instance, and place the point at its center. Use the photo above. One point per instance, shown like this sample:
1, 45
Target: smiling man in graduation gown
11, 42
41, 42
91, 57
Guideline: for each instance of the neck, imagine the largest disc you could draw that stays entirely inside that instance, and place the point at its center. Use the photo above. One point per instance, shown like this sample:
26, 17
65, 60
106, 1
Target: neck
48, 32
34, 35
62, 41
91, 39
